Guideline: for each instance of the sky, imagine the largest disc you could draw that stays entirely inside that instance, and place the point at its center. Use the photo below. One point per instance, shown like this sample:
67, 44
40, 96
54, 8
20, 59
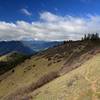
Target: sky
48, 20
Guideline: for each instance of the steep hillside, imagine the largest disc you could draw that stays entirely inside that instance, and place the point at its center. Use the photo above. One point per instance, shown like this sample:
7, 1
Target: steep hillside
10, 60
44, 67
80, 84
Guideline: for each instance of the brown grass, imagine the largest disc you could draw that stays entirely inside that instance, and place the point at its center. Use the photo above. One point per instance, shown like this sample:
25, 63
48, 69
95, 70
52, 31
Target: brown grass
20, 93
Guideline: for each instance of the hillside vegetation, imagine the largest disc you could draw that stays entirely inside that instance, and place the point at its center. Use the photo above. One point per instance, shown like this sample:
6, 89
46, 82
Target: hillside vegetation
10, 60
80, 84
46, 75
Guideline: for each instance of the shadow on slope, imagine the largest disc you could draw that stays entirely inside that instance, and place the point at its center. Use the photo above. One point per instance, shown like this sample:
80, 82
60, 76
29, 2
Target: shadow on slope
10, 60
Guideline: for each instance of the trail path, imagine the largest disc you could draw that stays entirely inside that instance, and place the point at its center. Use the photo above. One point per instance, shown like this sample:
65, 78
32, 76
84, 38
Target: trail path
93, 86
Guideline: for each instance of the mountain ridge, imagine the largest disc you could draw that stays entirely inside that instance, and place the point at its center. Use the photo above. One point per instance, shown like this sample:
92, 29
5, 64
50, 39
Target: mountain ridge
25, 47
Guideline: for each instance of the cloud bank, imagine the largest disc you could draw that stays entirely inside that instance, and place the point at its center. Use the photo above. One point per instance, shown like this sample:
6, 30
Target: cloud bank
50, 27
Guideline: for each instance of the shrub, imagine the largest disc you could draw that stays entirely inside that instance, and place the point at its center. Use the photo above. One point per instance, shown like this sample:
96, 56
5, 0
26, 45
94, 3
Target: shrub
13, 71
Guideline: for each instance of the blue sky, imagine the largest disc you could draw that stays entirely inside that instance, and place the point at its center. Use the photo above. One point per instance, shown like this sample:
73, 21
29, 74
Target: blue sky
10, 10
48, 19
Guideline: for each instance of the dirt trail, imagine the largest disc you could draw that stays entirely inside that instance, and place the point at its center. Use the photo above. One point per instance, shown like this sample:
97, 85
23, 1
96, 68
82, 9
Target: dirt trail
93, 86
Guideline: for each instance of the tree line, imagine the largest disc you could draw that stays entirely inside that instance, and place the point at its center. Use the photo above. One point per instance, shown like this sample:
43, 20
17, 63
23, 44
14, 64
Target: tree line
94, 36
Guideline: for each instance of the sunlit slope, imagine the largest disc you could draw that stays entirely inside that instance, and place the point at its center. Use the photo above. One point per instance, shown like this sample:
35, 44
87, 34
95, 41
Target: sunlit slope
10, 60
82, 83
44, 67
26, 73
11, 56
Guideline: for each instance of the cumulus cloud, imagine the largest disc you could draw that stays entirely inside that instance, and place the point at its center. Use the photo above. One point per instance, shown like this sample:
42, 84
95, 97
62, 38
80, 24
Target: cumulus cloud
50, 27
26, 12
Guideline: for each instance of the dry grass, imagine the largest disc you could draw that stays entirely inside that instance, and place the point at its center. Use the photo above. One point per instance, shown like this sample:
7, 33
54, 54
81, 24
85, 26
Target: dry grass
79, 84
21, 93
36, 72
27, 73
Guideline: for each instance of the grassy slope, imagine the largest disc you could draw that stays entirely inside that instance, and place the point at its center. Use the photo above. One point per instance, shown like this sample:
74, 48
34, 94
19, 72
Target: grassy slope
9, 61
82, 83
26, 73
11, 56
33, 69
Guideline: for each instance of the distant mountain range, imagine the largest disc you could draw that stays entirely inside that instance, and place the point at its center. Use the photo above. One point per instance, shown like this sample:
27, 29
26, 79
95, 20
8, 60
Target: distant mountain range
25, 47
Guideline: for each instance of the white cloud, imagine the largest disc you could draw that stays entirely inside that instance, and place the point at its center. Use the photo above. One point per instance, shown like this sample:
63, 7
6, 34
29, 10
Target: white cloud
50, 27
49, 17
26, 12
